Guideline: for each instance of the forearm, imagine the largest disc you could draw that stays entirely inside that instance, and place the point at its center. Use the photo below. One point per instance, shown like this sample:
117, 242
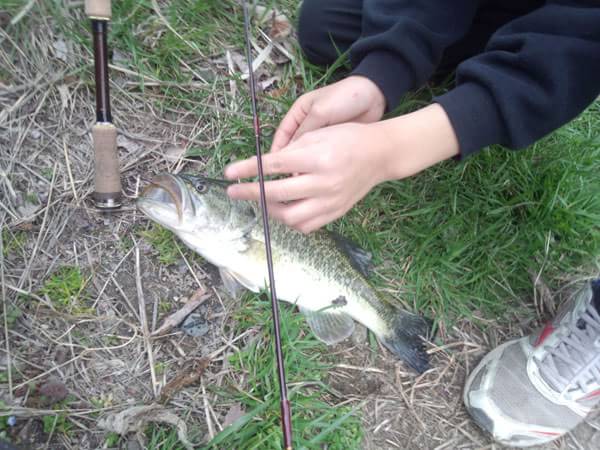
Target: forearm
408, 144
402, 42
537, 73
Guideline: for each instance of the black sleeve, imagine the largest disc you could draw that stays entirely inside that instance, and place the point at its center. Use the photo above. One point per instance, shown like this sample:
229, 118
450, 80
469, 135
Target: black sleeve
537, 73
402, 41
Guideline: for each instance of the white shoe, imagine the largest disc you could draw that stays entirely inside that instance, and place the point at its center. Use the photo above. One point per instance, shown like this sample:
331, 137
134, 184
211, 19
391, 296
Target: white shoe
533, 390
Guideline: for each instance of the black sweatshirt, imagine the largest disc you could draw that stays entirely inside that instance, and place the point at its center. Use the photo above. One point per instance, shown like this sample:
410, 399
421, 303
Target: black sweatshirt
536, 73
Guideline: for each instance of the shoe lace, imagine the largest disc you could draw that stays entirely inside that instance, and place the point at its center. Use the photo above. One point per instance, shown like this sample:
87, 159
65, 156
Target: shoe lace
574, 363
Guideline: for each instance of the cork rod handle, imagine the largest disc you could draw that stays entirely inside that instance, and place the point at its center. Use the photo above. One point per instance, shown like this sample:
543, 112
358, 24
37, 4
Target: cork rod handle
98, 9
107, 177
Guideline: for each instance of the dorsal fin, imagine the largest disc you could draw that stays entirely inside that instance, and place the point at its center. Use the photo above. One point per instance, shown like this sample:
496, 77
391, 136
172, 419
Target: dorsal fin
360, 259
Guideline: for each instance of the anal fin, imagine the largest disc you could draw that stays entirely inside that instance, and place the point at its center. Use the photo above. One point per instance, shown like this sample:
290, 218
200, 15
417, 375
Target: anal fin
329, 326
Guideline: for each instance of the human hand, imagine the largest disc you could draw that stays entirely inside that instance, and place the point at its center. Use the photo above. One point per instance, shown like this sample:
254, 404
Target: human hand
335, 166
353, 99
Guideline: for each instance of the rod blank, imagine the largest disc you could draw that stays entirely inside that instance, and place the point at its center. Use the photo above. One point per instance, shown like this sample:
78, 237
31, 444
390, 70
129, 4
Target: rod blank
99, 29
286, 413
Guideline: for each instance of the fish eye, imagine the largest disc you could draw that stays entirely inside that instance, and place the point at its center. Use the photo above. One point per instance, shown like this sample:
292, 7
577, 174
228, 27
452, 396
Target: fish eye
201, 187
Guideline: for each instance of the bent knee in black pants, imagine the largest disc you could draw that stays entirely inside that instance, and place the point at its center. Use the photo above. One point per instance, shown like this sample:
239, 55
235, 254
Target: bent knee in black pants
327, 28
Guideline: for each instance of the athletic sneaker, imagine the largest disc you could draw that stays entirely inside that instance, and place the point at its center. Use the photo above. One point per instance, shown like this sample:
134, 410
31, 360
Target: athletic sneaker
533, 390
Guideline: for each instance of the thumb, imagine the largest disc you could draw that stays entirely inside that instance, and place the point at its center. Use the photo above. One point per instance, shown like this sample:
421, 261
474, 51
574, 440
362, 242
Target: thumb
316, 117
291, 122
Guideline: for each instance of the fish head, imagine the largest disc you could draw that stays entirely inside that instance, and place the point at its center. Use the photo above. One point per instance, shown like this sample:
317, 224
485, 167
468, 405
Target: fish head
197, 209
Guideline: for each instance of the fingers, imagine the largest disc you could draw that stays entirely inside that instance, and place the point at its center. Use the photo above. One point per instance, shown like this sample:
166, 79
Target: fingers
290, 123
293, 161
285, 190
316, 117
301, 212
315, 223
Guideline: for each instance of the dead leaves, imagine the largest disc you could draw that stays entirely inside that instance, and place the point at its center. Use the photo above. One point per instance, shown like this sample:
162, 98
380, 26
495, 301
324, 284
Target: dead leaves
279, 26
136, 418
188, 375
271, 46
235, 412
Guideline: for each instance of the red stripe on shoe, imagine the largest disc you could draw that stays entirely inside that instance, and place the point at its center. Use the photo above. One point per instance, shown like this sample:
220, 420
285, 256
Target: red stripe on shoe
547, 433
590, 395
547, 331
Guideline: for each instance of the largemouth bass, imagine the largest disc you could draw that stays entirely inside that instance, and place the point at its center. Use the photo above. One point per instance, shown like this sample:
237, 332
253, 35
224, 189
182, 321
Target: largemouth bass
321, 273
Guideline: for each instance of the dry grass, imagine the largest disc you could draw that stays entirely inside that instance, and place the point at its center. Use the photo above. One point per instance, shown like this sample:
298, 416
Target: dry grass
98, 342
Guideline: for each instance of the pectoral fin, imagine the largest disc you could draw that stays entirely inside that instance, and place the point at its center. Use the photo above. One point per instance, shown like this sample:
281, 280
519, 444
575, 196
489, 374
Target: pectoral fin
233, 287
330, 326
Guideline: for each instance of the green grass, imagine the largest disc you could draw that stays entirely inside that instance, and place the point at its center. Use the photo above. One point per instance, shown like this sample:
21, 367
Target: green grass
162, 438
164, 243
65, 288
315, 421
473, 230
12, 241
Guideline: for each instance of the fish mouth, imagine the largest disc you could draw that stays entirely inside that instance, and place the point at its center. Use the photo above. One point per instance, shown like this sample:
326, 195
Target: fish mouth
165, 189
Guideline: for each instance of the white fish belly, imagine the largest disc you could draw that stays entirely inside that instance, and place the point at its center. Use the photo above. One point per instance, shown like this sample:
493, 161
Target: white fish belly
299, 285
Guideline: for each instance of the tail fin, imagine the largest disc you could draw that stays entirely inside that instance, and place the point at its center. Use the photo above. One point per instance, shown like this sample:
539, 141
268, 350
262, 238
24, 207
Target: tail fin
406, 340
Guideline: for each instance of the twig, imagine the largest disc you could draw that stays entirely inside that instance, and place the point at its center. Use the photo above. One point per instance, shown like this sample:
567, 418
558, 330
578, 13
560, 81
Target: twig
232, 84
177, 317
84, 352
42, 228
15, 20
261, 57
110, 277
211, 431
5, 313
277, 45
69, 172
144, 320
190, 268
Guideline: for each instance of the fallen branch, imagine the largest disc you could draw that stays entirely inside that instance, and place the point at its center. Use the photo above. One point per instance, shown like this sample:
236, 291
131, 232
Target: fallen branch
177, 317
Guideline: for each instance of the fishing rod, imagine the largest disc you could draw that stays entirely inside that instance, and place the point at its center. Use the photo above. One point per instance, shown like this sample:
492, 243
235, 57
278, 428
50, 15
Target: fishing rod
286, 412
107, 177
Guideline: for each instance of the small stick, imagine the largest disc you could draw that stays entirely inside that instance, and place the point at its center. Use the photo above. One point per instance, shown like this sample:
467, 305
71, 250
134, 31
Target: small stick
143, 320
211, 431
177, 317
69, 172
5, 314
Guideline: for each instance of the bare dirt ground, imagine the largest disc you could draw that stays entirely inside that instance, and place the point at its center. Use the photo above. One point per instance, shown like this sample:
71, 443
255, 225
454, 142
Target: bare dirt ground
101, 351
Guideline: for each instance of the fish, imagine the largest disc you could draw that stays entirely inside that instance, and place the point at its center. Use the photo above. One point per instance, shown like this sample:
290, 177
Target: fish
324, 274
